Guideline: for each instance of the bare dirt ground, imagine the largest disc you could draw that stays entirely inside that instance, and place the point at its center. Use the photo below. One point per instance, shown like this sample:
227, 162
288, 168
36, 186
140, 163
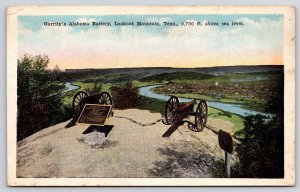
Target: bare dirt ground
134, 148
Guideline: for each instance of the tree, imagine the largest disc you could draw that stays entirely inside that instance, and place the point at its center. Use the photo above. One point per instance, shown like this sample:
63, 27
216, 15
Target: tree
39, 95
261, 152
56, 69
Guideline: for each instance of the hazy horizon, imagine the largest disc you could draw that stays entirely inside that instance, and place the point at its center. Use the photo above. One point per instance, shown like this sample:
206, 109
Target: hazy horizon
265, 65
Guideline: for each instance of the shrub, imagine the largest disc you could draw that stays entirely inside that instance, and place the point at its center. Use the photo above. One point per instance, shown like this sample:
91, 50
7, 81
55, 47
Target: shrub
96, 89
125, 96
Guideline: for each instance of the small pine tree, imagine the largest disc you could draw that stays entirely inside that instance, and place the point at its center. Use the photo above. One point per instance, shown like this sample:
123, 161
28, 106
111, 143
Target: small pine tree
56, 69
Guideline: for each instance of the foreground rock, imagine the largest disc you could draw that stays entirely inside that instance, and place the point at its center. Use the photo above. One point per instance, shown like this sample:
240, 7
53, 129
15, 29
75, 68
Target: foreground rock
94, 138
134, 148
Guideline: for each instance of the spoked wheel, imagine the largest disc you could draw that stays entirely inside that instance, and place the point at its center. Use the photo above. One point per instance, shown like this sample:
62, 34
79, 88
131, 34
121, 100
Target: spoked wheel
171, 106
78, 102
105, 98
201, 116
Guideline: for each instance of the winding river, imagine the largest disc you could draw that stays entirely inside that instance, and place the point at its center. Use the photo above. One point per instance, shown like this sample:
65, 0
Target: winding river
232, 108
70, 87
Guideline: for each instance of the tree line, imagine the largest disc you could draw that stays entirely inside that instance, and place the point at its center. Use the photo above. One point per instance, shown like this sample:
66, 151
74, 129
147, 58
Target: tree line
39, 96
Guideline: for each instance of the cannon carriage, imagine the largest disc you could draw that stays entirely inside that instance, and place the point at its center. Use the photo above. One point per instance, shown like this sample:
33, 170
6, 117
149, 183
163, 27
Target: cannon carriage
175, 114
81, 98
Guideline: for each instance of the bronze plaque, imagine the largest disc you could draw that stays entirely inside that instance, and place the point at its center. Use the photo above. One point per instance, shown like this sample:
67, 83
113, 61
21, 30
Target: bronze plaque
94, 114
225, 141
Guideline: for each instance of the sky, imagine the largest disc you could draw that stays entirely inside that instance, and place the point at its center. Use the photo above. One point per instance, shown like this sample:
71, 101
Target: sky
259, 41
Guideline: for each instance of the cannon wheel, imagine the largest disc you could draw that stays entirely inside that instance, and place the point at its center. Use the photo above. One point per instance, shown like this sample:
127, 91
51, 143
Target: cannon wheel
78, 102
171, 106
201, 116
105, 98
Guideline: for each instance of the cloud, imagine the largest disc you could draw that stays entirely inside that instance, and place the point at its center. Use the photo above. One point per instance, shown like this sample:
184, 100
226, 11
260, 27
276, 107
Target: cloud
133, 44
160, 20
85, 20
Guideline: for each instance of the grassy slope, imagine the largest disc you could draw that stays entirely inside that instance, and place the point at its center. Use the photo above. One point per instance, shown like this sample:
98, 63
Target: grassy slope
237, 120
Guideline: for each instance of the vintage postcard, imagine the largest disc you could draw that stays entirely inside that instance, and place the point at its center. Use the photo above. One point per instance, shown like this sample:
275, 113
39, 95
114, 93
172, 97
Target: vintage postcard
151, 96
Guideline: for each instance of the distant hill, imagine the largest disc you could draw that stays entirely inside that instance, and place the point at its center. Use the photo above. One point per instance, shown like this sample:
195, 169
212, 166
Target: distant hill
181, 75
142, 73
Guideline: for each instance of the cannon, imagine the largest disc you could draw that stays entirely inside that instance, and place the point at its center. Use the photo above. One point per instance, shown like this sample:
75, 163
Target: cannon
81, 98
176, 113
